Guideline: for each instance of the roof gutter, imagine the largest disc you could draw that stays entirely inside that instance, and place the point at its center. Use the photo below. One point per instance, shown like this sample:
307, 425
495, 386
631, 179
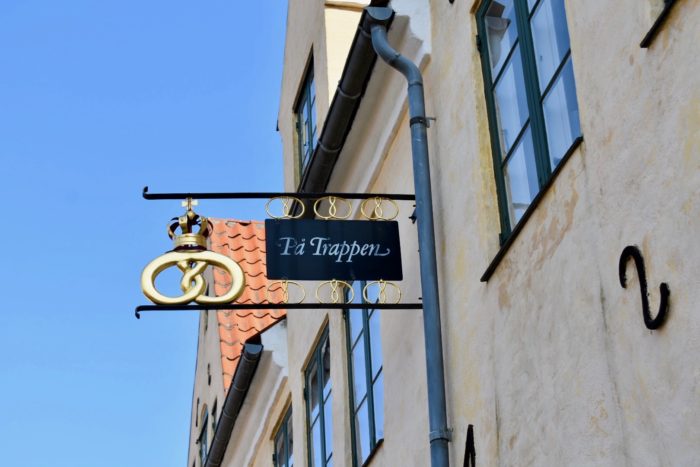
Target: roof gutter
234, 400
341, 114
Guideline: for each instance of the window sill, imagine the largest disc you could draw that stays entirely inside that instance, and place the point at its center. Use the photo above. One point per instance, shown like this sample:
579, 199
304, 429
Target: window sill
372, 454
533, 206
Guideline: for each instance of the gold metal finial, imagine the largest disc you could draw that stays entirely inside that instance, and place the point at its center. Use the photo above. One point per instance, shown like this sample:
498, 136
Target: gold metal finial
188, 203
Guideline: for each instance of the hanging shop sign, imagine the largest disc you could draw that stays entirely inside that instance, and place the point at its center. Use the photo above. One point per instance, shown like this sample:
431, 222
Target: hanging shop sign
312, 249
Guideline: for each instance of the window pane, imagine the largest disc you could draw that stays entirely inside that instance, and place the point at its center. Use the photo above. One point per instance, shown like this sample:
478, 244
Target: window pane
521, 178
326, 360
378, 392
279, 449
312, 126
313, 390
355, 322
561, 114
375, 342
317, 457
530, 4
328, 425
511, 102
550, 36
290, 443
359, 372
362, 432
501, 32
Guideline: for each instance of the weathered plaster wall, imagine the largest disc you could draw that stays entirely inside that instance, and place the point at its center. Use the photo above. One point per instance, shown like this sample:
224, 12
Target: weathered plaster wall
341, 23
549, 360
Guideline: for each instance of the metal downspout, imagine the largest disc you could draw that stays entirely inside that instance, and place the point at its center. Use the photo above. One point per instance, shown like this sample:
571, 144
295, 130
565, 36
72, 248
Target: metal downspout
437, 407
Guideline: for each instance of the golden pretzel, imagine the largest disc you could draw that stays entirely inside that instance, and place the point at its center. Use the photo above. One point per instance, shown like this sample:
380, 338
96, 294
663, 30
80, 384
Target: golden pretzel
192, 264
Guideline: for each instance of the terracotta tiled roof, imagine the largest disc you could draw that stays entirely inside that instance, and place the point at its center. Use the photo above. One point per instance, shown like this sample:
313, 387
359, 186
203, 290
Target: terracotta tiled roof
244, 242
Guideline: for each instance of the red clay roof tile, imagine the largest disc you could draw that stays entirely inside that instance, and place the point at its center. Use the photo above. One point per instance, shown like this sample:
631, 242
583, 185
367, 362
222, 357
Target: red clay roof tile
244, 242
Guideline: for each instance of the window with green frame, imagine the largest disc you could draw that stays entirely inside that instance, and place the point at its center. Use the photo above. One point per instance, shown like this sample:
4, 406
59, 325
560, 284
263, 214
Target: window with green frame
284, 452
203, 439
530, 95
366, 377
318, 404
305, 116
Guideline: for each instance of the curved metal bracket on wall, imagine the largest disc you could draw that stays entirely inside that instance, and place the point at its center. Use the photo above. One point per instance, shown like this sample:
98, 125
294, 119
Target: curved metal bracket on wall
470, 450
634, 253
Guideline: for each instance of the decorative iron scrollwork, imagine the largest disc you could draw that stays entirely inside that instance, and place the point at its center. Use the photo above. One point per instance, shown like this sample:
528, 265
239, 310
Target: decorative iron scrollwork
634, 253
288, 202
333, 211
373, 209
282, 287
339, 292
382, 295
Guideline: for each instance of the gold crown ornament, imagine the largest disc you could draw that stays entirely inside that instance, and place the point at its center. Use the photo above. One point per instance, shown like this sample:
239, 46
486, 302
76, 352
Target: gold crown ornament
191, 256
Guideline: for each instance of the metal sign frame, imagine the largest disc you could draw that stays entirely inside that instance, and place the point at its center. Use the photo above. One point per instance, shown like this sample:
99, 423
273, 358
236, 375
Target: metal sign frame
276, 306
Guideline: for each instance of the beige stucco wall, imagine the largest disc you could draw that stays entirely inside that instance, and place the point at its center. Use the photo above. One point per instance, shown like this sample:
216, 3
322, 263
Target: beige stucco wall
252, 441
549, 360
322, 30
205, 392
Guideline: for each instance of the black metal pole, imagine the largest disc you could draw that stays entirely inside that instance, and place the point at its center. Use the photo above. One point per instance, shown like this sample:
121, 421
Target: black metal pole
437, 406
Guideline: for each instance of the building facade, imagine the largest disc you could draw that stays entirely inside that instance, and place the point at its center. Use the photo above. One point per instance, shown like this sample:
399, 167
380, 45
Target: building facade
556, 142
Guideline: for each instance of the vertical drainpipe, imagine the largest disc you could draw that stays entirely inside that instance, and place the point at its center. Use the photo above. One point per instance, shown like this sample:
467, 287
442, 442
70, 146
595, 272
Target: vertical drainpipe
437, 407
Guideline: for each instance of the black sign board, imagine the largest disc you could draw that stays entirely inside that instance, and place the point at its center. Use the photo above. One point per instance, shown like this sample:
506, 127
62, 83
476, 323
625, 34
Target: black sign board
310, 249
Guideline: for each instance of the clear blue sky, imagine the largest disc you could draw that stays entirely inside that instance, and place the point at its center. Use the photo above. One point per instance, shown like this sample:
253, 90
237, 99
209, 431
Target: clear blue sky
98, 99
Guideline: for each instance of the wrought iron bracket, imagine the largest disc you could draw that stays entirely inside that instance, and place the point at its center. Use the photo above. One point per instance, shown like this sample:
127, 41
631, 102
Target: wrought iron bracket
658, 23
632, 252
279, 306
470, 449
268, 194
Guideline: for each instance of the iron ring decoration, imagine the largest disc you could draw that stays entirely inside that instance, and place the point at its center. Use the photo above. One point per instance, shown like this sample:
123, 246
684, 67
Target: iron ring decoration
285, 291
333, 208
335, 295
192, 284
382, 291
377, 212
286, 208
634, 253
